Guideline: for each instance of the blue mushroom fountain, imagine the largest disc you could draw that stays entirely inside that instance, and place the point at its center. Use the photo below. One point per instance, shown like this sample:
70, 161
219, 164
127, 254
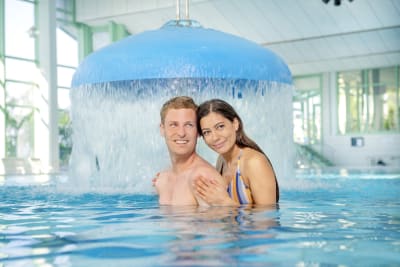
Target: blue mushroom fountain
117, 93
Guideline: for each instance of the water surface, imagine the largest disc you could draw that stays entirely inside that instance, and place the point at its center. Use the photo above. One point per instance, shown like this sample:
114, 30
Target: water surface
322, 220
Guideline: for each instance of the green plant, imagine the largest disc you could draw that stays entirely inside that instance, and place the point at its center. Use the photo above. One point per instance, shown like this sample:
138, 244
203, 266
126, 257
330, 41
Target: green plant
13, 126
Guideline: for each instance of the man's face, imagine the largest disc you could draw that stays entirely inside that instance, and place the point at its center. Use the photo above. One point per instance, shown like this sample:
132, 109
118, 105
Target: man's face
180, 131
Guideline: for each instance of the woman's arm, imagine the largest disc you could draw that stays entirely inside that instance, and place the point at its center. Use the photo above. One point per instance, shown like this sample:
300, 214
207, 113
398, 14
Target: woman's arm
261, 179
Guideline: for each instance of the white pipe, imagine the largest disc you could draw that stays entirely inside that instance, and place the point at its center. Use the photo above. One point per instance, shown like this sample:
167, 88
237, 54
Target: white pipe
178, 10
187, 9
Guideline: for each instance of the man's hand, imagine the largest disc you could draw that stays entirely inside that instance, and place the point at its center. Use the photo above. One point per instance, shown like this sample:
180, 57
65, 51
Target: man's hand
155, 179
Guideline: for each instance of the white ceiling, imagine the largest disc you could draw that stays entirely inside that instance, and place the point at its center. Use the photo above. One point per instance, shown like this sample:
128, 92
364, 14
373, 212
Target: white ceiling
310, 36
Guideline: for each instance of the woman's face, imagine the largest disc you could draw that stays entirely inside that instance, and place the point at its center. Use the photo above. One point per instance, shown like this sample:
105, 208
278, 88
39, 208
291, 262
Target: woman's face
218, 132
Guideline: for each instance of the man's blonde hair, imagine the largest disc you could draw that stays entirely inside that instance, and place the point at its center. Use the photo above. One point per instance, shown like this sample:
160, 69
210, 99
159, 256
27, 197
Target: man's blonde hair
179, 102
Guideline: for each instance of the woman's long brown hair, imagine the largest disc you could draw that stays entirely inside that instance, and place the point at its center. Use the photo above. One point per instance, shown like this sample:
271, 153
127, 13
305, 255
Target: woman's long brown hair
242, 140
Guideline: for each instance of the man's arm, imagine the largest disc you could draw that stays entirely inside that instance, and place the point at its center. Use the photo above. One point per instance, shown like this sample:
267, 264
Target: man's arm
161, 185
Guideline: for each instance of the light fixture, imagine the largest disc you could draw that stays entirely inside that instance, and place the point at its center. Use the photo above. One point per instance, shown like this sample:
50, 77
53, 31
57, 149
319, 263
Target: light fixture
336, 2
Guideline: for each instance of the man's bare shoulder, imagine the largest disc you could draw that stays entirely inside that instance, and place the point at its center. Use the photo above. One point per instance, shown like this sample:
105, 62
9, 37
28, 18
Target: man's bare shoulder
164, 173
202, 163
204, 168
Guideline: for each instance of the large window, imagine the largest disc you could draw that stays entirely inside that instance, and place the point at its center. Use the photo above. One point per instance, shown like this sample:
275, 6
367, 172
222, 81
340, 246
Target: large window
67, 62
20, 76
20, 28
307, 110
368, 101
19, 113
17, 103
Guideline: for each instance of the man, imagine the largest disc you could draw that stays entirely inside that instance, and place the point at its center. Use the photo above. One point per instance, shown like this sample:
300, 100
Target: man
178, 127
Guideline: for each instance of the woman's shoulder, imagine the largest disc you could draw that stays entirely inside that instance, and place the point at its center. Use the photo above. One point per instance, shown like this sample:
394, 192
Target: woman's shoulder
253, 158
256, 167
252, 154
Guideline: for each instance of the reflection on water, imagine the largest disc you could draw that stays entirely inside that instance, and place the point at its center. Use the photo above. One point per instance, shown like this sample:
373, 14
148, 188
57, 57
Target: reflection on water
346, 221
216, 235
93, 228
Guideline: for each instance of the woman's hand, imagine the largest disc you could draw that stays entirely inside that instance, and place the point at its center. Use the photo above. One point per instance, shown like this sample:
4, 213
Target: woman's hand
212, 191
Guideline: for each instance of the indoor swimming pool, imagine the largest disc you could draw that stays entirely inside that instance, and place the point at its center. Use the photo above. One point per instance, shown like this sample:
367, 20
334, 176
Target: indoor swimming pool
328, 218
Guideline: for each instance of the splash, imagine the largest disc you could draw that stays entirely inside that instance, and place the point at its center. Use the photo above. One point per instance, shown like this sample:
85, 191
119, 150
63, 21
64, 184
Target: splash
117, 144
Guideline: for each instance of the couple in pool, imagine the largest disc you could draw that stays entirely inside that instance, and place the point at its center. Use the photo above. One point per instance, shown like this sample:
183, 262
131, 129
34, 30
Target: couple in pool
243, 174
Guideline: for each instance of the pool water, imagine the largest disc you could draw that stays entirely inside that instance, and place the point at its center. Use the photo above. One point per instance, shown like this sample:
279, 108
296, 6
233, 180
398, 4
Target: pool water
323, 219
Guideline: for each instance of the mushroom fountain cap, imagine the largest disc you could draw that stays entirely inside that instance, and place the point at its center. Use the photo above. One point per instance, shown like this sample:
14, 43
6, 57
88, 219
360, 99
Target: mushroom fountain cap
181, 49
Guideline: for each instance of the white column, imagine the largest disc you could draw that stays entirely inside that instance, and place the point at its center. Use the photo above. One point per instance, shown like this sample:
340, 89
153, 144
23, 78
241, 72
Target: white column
329, 119
333, 100
46, 119
2, 117
2, 79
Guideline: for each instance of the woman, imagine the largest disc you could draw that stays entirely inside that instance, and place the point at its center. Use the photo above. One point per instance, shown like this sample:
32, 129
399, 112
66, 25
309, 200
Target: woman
248, 172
